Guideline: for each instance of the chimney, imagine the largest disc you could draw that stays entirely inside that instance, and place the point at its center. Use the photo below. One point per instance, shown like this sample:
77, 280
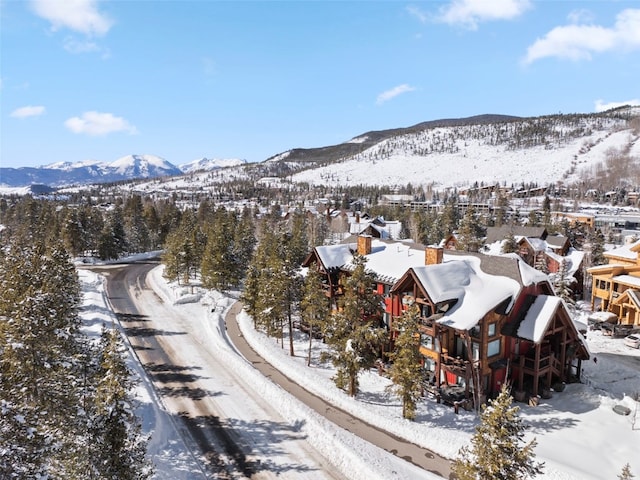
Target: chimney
364, 244
433, 255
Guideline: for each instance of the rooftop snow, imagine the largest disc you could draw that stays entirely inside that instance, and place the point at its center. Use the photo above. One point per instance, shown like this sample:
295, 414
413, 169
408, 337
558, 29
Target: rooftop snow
538, 316
476, 292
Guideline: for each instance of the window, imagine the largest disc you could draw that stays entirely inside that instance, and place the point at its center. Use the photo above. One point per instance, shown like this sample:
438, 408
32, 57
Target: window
386, 318
475, 346
426, 341
426, 311
493, 348
491, 331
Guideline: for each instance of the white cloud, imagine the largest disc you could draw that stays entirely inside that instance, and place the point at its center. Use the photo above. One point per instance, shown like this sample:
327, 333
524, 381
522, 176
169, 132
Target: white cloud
417, 13
581, 16
97, 123
601, 106
28, 111
74, 46
579, 42
394, 92
77, 15
469, 13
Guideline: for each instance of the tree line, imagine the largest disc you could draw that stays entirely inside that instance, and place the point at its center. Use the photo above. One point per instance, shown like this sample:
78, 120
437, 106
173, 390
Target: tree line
66, 404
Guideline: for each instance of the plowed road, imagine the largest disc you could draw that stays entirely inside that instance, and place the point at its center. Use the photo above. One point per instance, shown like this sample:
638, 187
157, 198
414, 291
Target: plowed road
234, 432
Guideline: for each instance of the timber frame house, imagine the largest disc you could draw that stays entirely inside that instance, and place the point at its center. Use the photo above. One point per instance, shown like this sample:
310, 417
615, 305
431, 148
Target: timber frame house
616, 285
485, 320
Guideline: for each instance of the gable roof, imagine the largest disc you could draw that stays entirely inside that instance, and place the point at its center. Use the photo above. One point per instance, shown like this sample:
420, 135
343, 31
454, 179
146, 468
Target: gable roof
629, 252
471, 291
538, 317
495, 234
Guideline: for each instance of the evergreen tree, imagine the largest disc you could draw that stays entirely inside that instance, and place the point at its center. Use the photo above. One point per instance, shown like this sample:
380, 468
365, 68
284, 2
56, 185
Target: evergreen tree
469, 231
406, 372
113, 239
546, 212
509, 245
118, 449
540, 262
218, 268
596, 239
626, 474
355, 333
314, 306
183, 250
40, 344
562, 284
498, 451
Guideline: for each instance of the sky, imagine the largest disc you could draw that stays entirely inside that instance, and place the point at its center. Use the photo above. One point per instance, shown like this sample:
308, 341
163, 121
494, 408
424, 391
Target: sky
98, 80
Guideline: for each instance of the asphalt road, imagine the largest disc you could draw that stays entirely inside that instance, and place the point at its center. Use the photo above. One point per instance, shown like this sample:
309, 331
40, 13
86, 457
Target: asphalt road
158, 350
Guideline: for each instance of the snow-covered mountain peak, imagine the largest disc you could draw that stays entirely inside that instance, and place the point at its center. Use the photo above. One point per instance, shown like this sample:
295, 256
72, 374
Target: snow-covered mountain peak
209, 164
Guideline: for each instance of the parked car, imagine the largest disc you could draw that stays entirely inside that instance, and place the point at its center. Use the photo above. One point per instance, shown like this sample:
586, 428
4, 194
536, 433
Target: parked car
632, 340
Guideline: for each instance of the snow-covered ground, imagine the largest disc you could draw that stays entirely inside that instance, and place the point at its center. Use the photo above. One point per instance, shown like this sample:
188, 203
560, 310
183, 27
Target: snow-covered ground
579, 435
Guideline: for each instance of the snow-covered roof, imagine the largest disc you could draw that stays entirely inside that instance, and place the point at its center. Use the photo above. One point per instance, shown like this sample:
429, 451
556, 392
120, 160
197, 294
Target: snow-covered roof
537, 244
537, 319
627, 280
463, 280
334, 256
629, 251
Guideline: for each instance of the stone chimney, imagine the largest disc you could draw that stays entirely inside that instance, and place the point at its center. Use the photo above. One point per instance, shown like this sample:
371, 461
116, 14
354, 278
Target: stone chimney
364, 244
433, 255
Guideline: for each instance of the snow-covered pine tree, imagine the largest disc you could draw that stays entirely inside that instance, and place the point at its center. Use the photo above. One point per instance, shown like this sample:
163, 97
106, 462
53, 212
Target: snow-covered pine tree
118, 448
626, 474
406, 370
596, 239
540, 262
355, 334
509, 244
40, 375
562, 284
498, 450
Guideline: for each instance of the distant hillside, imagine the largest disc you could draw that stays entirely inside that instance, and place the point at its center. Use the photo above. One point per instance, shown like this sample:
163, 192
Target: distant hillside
330, 154
440, 154
487, 149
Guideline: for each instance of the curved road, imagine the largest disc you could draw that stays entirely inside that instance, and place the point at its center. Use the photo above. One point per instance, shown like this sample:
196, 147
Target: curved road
158, 351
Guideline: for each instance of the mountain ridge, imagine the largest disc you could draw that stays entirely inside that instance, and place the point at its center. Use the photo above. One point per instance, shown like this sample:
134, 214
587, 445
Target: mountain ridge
472, 143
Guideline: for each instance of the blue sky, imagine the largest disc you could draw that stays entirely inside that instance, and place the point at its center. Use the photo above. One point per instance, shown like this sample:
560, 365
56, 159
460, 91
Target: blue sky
98, 80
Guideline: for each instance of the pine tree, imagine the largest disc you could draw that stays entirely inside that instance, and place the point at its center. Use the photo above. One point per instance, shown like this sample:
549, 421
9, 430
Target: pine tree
40, 344
314, 306
596, 239
218, 263
406, 371
540, 262
509, 245
498, 450
626, 474
469, 232
356, 334
562, 284
118, 449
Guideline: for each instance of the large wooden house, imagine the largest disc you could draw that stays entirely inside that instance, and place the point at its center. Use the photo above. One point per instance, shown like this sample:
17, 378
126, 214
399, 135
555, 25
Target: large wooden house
485, 319
616, 285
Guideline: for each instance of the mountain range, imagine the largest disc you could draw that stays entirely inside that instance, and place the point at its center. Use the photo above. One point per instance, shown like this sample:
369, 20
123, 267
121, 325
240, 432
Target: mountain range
439, 153
130, 167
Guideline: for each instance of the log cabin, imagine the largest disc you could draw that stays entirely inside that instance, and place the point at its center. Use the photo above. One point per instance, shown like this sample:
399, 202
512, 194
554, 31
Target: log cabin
616, 285
485, 320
